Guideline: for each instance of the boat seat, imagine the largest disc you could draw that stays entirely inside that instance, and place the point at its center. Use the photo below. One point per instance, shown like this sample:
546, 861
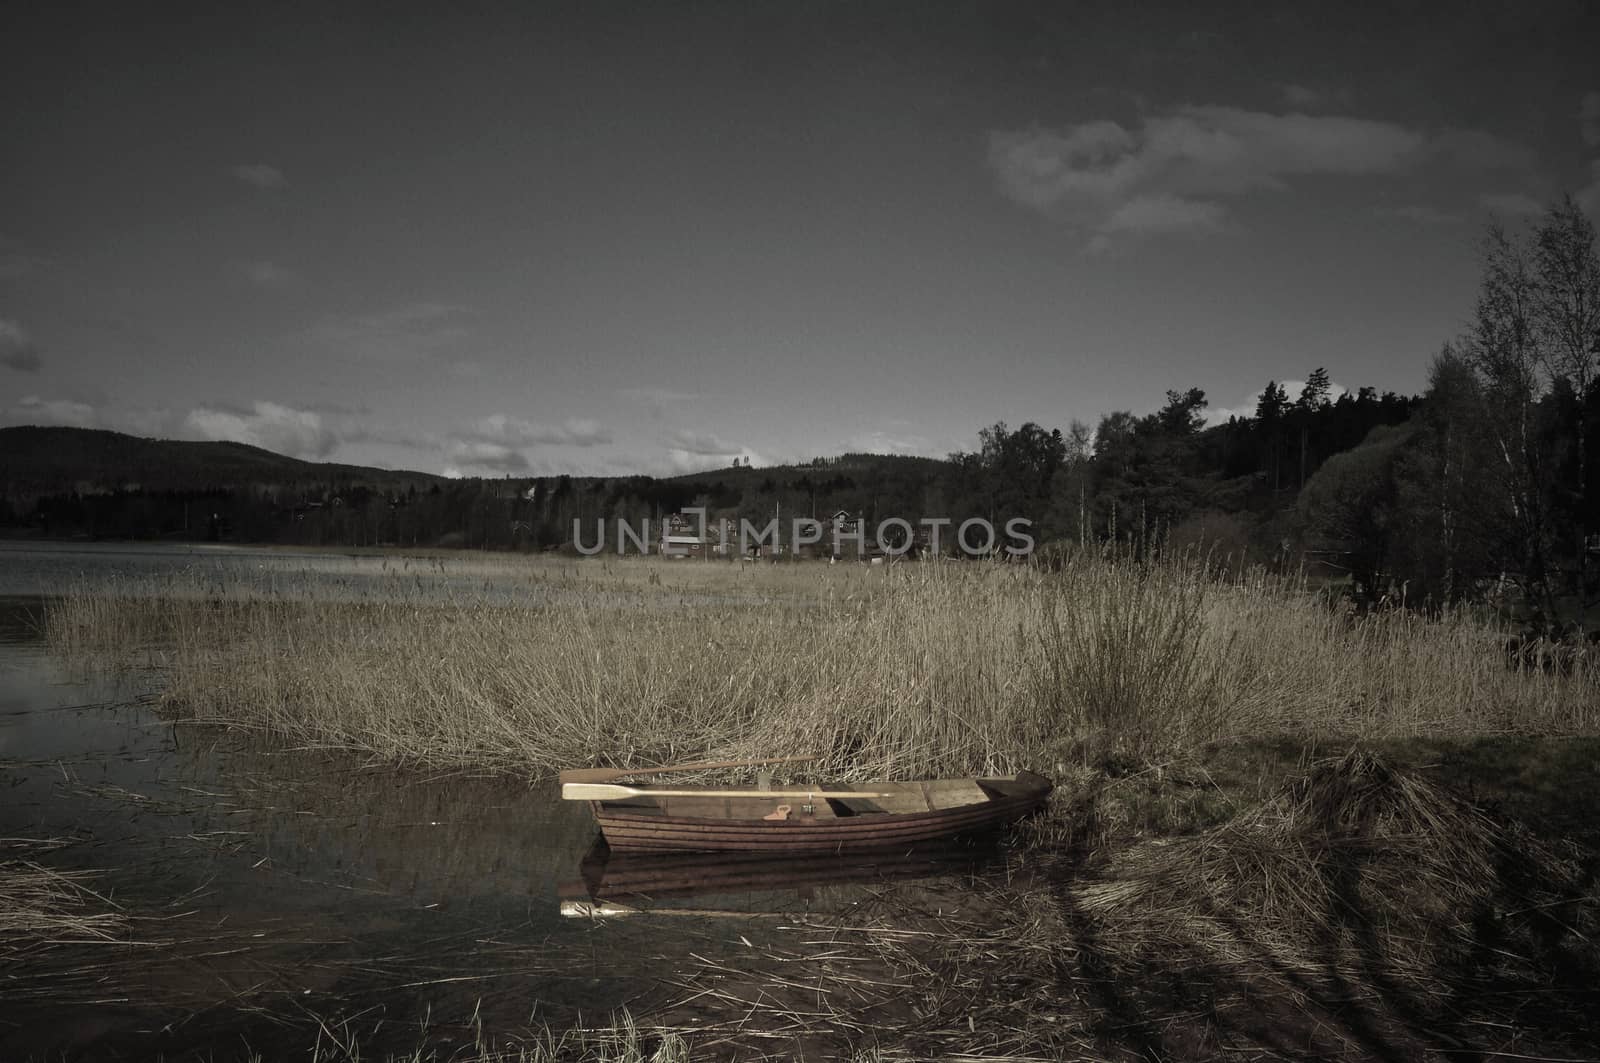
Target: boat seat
915, 796
744, 808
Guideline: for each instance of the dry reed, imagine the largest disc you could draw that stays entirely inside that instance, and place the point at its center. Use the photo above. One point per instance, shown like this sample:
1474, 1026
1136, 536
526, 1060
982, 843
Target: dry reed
42, 906
1361, 912
1356, 867
913, 668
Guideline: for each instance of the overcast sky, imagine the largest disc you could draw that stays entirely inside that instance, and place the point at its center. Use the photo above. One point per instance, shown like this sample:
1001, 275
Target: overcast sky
605, 238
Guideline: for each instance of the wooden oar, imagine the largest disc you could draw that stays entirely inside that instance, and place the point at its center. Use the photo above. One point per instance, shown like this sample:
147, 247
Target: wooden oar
598, 791
613, 774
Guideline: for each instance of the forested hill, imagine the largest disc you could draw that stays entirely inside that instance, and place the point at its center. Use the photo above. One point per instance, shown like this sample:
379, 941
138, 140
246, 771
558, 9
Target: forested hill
47, 461
1132, 478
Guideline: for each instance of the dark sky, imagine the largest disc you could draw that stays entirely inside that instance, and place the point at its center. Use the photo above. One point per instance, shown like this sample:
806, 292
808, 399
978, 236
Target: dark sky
610, 238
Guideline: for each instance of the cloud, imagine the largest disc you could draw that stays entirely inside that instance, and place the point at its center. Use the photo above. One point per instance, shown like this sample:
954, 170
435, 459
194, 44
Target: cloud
495, 444
17, 351
1157, 215
1420, 213
692, 442
515, 431
283, 429
1175, 172
884, 443
31, 409
692, 451
266, 274
259, 175
494, 457
1515, 204
1589, 119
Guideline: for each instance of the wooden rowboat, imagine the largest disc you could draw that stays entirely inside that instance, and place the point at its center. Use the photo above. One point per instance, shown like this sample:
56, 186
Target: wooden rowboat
841, 819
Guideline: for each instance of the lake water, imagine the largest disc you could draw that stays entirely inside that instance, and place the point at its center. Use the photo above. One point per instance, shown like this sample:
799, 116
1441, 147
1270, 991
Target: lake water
270, 895
35, 569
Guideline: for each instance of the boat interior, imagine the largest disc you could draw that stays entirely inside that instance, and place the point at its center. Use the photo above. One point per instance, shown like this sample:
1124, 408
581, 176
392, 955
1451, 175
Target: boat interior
905, 797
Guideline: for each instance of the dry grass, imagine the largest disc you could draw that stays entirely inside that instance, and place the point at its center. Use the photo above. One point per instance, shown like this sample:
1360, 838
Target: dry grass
40, 906
619, 1041
1356, 867
909, 669
1361, 912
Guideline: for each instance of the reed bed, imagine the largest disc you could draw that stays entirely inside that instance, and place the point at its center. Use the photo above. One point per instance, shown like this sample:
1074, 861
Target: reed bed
910, 668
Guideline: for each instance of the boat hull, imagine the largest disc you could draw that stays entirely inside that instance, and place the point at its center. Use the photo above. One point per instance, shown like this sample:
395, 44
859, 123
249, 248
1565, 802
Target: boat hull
631, 829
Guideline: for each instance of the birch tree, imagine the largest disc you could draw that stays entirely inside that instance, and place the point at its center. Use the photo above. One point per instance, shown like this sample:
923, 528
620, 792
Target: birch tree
1566, 314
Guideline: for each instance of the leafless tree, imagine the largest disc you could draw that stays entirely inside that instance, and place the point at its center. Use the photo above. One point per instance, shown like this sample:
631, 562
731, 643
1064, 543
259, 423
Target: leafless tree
1504, 347
1567, 317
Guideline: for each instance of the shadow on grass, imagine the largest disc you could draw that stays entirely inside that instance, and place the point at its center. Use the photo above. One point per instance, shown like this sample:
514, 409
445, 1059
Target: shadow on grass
1363, 912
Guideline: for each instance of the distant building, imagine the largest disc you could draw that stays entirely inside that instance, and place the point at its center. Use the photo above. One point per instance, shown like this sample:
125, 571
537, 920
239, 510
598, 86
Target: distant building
682, 545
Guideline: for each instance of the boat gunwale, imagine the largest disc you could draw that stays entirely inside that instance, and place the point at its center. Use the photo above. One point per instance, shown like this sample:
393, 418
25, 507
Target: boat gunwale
659, 832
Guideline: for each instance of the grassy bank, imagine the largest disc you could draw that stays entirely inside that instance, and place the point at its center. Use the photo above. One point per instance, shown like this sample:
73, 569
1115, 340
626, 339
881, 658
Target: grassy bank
909, 669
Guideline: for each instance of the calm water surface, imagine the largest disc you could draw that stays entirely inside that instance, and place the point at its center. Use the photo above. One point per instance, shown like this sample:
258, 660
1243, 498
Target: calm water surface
270, 891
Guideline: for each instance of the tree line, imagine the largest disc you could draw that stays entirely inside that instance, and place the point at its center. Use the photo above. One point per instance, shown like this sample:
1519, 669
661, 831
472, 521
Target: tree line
1477, 487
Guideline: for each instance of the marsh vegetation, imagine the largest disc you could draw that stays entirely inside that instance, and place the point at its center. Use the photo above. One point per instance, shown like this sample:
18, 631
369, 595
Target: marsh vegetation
1280, 825
920, 667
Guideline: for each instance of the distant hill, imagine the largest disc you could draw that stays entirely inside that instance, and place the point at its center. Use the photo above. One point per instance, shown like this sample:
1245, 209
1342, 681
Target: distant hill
843, 465
37, 461
67, 482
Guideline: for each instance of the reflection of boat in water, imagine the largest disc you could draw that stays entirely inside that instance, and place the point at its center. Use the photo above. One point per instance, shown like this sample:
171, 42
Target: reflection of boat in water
620, 883
885, 815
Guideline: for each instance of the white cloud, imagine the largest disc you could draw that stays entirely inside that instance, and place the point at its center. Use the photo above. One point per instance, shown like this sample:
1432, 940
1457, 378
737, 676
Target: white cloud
283, 429
258, 175
693, 442
1176, 172
1155, 215
885, 443
683, 461
515, 431
1589, 119
691, 451
31, 409
495, 444
16, 348
477, 454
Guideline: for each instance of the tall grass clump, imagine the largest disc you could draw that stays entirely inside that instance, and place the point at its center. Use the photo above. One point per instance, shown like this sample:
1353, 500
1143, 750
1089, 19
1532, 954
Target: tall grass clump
1122, 657
907, 668
1357, 872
